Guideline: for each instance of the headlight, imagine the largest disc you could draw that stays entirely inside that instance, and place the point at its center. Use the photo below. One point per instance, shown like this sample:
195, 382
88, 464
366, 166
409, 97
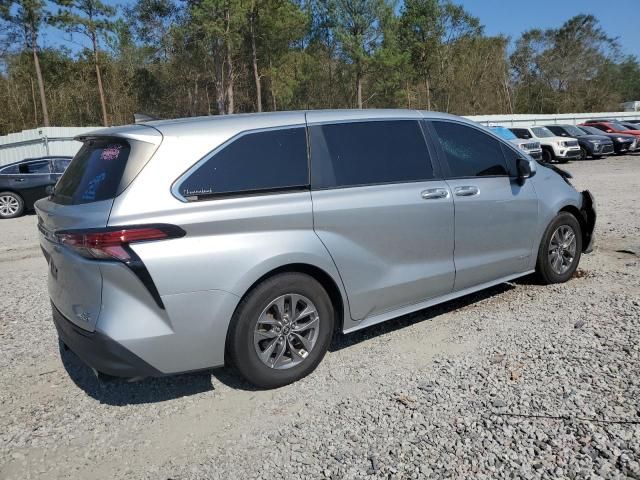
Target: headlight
621, 139
564, 144
522, 146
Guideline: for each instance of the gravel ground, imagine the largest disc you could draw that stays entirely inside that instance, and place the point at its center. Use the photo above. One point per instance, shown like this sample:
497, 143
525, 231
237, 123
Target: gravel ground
520, 381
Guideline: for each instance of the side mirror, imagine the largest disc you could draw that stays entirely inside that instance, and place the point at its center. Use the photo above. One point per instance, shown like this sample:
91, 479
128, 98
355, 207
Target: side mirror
526, 169
609, 130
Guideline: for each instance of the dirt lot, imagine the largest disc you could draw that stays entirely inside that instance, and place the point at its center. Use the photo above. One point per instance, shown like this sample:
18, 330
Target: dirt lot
518, 381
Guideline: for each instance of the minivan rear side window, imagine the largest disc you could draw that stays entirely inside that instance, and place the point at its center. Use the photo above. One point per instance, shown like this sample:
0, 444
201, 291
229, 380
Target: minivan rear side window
262, 161
368, 153
94, 173
469, 152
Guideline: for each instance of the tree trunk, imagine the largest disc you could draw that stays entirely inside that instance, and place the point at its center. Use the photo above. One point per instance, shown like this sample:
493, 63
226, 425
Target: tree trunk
254, 59
359, 89
36, 61
219, 81
103, 103
273, 87
428, 87
35, 105
230, 71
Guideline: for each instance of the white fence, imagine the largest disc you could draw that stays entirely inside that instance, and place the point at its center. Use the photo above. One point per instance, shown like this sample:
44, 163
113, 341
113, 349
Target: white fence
40, 142
59, 140
571, 118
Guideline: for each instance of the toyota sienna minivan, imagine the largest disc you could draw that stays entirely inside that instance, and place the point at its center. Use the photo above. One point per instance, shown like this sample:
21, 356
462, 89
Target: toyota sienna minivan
186, 244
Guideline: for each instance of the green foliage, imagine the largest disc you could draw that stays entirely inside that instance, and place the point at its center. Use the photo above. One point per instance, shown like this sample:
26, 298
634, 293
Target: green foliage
174, 58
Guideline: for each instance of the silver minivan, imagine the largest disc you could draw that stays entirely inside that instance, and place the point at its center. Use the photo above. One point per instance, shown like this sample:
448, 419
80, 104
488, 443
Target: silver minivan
186, 244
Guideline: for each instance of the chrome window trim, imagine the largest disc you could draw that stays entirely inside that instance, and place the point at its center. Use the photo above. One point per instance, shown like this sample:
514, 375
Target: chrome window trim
175, 187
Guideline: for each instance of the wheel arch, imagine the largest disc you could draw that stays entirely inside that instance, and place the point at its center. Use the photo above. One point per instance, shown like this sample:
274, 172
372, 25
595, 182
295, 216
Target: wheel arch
584, 229
322, 276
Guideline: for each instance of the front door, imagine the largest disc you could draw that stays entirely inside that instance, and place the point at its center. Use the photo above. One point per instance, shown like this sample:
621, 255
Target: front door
382, 211
495, 217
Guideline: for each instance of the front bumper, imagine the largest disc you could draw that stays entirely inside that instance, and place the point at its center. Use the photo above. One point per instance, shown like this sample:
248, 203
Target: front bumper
535, 154
99, 351
573, 153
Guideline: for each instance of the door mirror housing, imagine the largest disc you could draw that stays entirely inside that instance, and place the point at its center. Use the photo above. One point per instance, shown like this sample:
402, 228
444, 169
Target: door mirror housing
526, 169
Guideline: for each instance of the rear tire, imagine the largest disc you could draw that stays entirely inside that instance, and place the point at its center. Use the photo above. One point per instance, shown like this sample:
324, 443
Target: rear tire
11, 205
267, 345
560, 249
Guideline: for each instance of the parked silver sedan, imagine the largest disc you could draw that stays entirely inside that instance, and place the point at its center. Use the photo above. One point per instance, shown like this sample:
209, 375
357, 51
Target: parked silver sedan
181, 245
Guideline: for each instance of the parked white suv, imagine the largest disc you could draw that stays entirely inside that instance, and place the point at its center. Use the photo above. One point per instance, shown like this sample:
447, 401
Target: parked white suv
557, 148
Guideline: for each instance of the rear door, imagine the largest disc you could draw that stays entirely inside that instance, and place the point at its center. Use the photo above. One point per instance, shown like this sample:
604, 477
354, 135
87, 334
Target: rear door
381, 210
495, 216
82, 200
33, 179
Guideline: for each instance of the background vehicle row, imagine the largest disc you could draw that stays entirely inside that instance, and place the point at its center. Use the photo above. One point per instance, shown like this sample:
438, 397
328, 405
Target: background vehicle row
22, 183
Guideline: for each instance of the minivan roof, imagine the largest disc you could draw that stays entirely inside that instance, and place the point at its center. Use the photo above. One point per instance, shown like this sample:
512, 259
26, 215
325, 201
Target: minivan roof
269, 119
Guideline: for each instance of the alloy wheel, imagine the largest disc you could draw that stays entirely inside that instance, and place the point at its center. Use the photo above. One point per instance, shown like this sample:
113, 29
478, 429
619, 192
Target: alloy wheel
562, 249
286, 331
9, 205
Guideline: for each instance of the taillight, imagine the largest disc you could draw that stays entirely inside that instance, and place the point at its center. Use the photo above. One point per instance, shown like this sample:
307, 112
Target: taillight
113, 243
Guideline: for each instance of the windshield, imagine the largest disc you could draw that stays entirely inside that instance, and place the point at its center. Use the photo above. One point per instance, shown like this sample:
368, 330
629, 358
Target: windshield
573, 131
94, 173
617, 126
591, 130
503, 132
542, 132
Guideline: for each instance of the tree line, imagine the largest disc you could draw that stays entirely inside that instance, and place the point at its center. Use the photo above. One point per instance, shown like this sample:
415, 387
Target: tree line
177, 58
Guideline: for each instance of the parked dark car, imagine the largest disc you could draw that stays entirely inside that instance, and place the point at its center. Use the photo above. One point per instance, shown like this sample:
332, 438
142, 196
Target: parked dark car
614, 127
22, 183
621, 143
594, 146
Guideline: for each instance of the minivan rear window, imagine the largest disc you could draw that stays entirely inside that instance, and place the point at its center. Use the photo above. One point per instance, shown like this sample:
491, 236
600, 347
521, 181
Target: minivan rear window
94, 173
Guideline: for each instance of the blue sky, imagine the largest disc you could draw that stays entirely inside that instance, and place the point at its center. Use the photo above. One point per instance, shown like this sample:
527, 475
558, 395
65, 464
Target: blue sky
619, 18
512, 17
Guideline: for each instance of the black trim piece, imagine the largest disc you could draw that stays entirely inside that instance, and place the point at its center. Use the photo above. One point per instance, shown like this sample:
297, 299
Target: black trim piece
140, 270
588, 211
246, 193
100, 351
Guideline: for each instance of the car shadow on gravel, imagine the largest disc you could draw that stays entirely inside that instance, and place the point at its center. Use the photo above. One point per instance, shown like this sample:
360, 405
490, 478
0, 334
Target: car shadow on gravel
120, 392
344, 341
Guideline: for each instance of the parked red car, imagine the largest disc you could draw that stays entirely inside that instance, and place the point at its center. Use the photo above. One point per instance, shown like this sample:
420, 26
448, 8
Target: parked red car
612, 127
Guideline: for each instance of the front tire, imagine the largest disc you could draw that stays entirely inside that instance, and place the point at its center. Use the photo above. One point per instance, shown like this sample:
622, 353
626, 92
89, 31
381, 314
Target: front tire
11, 205
547, 156
281, 330
583, 153
560, 249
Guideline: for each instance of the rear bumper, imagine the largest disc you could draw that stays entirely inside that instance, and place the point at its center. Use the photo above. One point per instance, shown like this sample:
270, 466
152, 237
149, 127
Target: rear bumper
99, 351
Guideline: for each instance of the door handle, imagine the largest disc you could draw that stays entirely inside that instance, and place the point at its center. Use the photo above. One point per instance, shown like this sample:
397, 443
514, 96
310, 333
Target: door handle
434, 193
18, 179
466, 191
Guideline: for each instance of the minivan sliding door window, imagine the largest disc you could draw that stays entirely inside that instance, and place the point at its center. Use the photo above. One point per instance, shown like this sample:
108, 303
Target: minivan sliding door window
368, 153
